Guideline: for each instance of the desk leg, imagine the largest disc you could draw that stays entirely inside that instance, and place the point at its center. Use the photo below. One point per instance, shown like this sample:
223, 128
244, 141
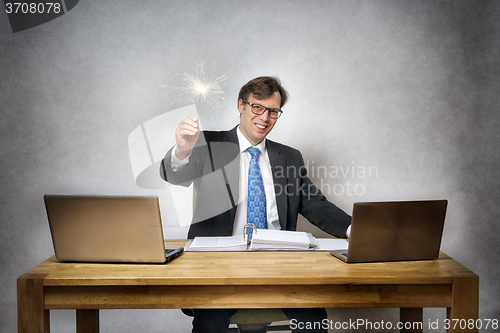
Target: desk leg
87, 321
31, 313
413, 316
464, 310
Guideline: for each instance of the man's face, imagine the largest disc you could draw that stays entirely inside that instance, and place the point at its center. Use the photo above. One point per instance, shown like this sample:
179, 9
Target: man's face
254, 127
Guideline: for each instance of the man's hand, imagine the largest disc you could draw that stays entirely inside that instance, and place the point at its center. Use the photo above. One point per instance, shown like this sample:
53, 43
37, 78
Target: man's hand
186, 135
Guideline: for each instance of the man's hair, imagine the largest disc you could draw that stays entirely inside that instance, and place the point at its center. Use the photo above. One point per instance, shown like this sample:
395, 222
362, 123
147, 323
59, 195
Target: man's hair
262, 88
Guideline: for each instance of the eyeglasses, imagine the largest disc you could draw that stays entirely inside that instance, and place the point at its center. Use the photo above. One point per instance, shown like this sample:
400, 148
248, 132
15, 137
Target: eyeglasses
259, 109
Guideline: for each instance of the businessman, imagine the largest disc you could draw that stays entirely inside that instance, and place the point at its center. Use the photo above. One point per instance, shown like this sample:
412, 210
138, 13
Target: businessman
240, 176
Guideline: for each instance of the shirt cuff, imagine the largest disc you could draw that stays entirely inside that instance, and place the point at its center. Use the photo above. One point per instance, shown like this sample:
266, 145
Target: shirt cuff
175, 163
348, 231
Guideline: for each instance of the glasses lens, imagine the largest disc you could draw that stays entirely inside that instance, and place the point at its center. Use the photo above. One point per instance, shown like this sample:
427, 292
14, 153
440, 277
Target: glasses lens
257, 109
274, 113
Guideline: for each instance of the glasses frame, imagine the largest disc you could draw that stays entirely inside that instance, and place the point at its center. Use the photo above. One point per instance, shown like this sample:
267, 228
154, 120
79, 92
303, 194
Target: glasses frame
280, 112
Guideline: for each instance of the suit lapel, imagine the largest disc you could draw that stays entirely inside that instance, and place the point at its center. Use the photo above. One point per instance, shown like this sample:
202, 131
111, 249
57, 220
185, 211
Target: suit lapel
232, 166
224, 153
278, 167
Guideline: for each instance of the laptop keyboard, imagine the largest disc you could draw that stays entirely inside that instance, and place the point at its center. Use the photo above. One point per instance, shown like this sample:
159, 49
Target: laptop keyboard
167, 251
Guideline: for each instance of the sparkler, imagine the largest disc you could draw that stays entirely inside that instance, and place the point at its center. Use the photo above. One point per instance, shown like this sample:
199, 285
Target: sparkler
202, 86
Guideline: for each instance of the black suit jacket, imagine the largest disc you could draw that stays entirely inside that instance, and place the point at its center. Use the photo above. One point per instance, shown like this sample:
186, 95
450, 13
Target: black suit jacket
214, 169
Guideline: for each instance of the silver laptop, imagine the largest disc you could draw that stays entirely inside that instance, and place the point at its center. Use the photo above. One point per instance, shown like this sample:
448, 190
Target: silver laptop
393, 231
105, 228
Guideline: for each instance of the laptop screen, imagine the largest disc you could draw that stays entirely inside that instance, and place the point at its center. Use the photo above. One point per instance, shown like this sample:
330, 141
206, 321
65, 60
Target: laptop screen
106, 228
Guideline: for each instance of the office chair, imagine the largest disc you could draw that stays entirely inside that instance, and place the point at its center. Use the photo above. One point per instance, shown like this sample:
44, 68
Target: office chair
258, 321
254, 320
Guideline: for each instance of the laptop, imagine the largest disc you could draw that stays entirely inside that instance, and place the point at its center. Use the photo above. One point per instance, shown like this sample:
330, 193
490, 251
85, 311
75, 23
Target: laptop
107, 228
395, 231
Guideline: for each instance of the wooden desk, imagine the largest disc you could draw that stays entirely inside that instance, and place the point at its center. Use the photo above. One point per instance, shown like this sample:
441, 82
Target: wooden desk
226, 280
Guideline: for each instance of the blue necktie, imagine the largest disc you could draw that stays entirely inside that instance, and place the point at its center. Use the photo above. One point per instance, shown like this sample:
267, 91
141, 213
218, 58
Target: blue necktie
256, 212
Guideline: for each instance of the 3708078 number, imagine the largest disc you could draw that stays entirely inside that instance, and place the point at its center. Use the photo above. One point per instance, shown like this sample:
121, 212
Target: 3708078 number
33, 8
470, 324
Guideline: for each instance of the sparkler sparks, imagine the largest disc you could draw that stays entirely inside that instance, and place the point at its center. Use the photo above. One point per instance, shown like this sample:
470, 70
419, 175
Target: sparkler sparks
201, 87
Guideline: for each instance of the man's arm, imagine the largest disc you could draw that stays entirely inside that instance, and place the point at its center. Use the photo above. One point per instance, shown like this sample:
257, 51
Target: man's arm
173, 168
318, 210
186, 136
177, 164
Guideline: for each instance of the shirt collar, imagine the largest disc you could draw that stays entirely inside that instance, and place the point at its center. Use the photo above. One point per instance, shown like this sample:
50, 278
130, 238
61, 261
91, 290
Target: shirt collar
245, 144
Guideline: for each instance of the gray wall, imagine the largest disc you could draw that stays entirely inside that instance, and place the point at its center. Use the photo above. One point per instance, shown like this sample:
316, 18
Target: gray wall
408, 88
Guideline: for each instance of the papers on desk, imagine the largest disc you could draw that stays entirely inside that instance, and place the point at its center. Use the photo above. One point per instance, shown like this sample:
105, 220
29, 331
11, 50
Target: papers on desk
267, 240
264, 239
329, 244
227, 243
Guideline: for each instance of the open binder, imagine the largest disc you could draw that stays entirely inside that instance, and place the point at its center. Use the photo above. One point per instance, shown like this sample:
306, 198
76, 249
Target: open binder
261, 240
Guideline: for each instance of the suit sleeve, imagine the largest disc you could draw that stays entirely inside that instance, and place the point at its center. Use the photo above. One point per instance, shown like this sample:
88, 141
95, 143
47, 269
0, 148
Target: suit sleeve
195, 168
318, 210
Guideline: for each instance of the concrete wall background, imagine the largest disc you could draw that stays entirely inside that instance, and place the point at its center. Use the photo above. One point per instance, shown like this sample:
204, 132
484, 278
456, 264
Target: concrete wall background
409, 88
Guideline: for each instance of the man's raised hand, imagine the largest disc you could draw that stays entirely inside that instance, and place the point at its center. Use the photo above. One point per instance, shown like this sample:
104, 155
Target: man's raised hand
186, 135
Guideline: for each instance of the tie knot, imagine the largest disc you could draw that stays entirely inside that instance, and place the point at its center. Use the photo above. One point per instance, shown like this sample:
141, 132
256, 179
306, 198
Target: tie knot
254, 152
